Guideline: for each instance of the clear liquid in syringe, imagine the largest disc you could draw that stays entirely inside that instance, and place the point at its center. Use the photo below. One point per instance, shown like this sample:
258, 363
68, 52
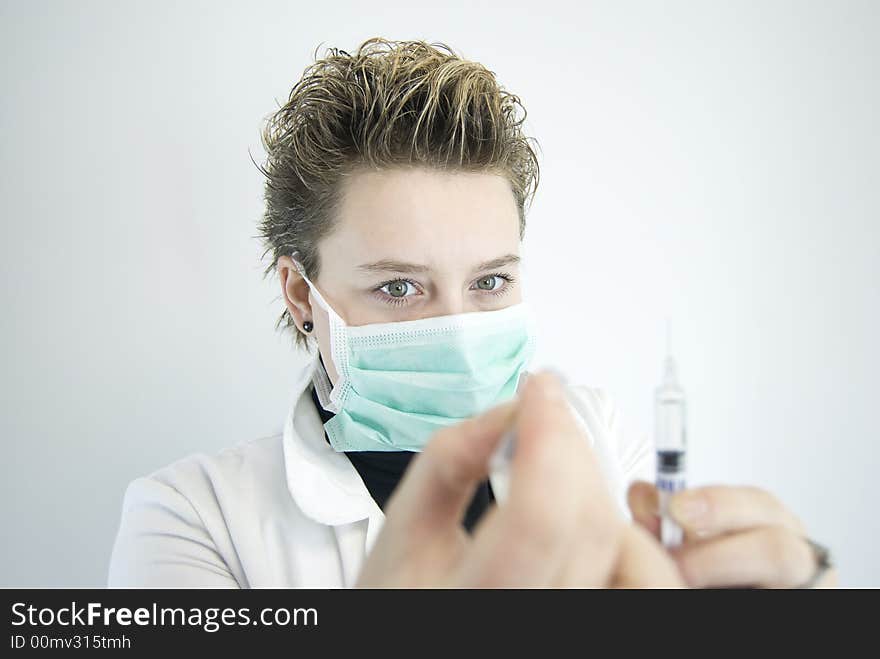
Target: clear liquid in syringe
671, 445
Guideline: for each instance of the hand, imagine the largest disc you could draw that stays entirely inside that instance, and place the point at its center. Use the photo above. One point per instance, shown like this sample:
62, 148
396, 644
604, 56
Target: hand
557, 528
733, 536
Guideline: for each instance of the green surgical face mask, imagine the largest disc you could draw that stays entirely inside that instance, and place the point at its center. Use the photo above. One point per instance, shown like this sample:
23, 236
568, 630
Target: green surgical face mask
401, 382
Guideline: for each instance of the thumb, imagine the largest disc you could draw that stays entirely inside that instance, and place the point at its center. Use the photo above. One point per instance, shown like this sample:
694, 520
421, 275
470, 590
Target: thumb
644, 502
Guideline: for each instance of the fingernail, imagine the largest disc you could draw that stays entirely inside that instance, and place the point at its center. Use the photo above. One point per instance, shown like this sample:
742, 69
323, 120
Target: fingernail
559, 375
688, 508
653, 500
643, 496
546, 385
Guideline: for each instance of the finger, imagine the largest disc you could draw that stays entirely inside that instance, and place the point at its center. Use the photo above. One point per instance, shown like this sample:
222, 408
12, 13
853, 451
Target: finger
644, 505
522, 543
708, 511
439, 484
550, 444
767, 557
589, 558
643, 563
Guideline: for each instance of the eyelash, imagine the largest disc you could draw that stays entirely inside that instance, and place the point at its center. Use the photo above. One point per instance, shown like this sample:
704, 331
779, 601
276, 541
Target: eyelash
401, 300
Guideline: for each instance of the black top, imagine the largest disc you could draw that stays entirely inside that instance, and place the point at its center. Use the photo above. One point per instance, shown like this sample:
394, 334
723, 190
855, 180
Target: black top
382, 470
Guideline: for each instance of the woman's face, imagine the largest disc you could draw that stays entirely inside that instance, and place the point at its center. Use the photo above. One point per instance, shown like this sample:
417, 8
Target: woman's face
409, 244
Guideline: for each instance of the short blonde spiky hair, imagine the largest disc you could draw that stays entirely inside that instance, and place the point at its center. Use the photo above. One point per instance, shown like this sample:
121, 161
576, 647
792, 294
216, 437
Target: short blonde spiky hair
390, 104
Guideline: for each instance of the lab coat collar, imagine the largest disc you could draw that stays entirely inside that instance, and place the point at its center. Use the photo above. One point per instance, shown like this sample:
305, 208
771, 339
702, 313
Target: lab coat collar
323, 483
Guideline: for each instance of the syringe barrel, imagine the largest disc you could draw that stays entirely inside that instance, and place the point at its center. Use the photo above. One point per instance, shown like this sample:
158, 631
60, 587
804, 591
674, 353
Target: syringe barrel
671, 443
670, 434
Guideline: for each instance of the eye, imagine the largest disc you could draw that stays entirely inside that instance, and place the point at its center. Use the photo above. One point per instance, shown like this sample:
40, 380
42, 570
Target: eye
497, 283
490, 283
398, 288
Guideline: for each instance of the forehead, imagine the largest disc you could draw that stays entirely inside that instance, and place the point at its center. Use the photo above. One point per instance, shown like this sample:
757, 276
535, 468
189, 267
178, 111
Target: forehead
427, 215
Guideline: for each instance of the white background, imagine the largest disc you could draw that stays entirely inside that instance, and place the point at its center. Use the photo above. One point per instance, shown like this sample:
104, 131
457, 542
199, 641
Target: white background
716, 162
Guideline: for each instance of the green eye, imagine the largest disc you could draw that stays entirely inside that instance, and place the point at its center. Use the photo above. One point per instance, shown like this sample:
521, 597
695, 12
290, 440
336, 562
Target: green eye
487, 283
398, 288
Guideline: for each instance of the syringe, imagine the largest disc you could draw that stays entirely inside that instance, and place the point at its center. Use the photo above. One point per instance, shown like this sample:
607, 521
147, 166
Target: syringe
669, 437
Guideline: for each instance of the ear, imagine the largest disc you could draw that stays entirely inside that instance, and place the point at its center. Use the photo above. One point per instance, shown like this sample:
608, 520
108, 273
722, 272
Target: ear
295, 291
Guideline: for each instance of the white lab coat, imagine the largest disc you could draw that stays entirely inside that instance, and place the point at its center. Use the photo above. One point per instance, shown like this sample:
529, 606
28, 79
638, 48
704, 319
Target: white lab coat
288, 510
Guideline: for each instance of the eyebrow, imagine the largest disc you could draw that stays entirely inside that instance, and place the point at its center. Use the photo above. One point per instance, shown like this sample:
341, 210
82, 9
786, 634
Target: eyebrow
390, 265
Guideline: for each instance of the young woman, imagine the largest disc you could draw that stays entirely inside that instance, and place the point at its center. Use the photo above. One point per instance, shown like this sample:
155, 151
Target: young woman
397, 185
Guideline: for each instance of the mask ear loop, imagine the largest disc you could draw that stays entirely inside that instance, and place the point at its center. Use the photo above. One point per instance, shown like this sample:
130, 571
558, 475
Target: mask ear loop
338, 349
